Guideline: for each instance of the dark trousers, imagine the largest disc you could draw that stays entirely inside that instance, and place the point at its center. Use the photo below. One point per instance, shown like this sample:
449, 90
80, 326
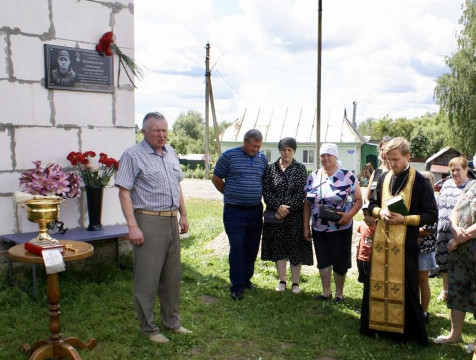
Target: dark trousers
243, 227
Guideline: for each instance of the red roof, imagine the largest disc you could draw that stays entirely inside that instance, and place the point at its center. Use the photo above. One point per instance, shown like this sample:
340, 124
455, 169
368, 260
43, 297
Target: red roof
442, 169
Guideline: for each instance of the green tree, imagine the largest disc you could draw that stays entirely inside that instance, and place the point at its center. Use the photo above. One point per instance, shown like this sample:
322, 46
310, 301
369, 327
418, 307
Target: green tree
139, 135
427, 134
192, 124
456, 91
420, 144
178, 140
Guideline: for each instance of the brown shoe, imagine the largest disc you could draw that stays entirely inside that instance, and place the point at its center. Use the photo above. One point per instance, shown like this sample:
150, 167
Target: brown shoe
159, 338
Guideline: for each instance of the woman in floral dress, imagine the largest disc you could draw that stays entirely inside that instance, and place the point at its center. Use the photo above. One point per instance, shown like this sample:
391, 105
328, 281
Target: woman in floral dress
449, 194
462, 264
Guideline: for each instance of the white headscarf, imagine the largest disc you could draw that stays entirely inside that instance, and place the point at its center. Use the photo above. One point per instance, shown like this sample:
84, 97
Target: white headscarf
329, 148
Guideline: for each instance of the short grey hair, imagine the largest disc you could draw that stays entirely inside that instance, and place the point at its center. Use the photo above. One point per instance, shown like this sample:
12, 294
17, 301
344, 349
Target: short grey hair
253, 134
152, 115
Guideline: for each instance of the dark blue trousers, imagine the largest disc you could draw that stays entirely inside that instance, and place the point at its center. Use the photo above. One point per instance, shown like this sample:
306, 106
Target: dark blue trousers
243, 227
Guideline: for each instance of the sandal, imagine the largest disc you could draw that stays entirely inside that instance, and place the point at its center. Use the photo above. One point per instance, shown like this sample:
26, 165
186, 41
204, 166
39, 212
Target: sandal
295, 288
323, 298
443, 296
281, 286
442, 339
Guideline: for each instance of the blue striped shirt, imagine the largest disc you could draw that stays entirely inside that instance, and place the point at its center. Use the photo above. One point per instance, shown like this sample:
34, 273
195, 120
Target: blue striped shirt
152, 179
243, 176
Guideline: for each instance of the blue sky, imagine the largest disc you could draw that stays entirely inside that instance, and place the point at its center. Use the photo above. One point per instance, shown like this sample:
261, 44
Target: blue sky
385, 55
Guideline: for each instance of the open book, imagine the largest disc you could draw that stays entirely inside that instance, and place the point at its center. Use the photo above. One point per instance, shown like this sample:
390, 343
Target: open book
397, 205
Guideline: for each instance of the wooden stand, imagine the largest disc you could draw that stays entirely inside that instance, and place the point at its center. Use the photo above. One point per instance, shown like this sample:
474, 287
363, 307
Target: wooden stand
55, 346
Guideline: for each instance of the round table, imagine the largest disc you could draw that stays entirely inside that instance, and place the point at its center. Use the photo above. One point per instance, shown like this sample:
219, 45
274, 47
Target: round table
55, 346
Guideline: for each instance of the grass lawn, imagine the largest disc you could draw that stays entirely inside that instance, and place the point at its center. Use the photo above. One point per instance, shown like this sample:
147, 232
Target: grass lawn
264, 325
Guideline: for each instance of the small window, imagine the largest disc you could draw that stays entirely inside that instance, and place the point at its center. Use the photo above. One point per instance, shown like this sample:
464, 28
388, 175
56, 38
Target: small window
308, 156
268, 155
311, 157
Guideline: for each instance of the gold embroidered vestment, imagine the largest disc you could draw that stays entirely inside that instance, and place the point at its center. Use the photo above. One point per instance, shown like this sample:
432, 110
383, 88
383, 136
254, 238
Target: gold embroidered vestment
387, 276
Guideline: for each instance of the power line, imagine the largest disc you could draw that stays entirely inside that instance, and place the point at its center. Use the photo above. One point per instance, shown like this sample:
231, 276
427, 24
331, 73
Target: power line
231, 87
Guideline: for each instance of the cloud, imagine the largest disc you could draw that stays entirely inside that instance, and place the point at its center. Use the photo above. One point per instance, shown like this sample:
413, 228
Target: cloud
384, 55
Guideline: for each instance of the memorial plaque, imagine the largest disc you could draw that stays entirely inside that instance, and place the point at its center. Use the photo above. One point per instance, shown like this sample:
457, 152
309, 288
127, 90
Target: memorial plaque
78, 69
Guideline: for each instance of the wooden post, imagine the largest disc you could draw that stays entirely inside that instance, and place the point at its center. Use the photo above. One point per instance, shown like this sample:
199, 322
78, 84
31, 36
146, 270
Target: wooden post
318, 108
207, 100
215, 123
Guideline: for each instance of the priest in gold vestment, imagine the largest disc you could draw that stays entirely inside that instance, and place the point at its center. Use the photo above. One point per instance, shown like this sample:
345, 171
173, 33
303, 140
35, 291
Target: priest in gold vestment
391, 304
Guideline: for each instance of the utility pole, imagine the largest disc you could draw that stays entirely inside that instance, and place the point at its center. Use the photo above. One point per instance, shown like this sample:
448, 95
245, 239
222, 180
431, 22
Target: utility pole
318, 108
207, 101
214, 115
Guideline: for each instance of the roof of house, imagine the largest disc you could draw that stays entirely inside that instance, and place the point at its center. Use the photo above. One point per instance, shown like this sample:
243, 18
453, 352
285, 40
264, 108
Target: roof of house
439, 153
192, 157
277, 123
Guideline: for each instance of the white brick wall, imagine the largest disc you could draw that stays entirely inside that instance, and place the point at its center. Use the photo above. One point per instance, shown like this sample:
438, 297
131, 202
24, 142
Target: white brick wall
24, 50
3, 56
27, 104
124, 80
80, 20
107, 140
30, 16
7, 209
70, 213
82, 108
41, 124
9, 182
125, 106
5, 152
123, 33
50, 145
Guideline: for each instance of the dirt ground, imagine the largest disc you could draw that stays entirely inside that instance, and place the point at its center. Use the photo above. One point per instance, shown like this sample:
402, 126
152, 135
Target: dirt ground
203, 189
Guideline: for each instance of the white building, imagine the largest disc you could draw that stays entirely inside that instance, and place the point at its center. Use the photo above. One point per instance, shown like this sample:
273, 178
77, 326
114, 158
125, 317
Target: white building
276, 124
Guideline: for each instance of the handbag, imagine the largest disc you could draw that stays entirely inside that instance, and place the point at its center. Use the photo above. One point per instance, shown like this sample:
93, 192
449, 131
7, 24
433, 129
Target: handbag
327, 212
269, 216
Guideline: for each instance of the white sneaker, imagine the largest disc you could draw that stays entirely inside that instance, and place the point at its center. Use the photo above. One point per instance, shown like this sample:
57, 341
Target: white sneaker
182, 330
281, 286
469, 348
158, 338
295, 289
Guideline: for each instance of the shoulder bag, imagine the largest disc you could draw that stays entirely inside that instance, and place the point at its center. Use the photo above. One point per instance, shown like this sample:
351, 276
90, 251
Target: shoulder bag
327, 212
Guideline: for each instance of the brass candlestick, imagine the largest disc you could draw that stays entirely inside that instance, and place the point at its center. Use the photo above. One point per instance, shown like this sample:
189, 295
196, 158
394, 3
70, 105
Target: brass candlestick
42, 212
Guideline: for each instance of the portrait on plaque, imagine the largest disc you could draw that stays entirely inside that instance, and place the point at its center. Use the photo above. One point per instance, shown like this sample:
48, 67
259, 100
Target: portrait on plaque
77, 69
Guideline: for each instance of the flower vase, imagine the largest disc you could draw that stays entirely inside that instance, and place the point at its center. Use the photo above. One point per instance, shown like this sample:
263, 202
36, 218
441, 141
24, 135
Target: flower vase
94, 199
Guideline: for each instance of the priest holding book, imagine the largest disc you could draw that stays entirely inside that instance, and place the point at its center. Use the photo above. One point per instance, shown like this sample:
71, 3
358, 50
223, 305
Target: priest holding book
391, 304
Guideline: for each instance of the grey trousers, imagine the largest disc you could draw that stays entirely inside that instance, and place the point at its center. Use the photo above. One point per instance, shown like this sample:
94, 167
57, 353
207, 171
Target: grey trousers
157, 272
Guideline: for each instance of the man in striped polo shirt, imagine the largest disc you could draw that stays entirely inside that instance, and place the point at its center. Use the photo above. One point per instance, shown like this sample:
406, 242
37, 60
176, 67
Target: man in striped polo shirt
149, 190
243, 169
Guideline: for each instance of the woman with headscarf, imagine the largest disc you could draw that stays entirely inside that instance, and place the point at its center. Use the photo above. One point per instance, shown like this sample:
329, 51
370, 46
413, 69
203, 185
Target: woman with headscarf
339, 190
449, 195
283, 193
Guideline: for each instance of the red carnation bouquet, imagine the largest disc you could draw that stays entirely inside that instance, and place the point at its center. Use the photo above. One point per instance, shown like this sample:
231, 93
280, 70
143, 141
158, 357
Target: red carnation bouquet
93, 175
107, 46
